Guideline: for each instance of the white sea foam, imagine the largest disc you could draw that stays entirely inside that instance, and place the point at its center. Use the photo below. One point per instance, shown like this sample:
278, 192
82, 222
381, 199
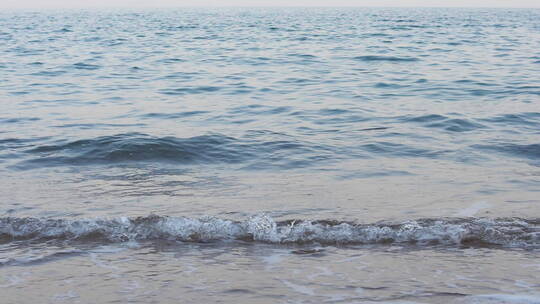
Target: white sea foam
473, 209
262, 228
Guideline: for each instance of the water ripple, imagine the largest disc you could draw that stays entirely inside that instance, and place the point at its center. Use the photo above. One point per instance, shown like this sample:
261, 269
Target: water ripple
385, 58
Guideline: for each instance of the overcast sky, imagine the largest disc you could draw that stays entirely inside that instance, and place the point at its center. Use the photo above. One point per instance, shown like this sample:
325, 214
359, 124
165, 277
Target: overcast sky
179, 3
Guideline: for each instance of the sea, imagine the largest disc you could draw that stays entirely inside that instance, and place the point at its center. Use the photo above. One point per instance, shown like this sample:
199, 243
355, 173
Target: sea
270, 155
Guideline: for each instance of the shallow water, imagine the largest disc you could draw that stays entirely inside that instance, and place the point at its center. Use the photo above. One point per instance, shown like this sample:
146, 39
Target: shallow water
270, 156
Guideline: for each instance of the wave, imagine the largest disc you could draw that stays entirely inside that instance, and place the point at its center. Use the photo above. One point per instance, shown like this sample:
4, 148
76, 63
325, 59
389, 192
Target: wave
267, 150
456, 125
178, 115
85, 66
531, 151
386, 58
531, 119
444, 122
136, 147
18, 119
507, 232
190, 90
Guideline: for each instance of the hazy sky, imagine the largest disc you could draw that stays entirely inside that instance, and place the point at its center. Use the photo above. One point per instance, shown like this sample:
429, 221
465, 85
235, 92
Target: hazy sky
169, 3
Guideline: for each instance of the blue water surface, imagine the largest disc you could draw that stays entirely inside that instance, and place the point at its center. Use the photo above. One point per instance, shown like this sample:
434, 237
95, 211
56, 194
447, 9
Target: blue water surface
331, 112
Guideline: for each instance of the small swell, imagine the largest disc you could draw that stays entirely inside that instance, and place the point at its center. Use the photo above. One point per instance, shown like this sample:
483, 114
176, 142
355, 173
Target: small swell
138, 147
390, 149
426, 118
446, 123
18, 119
303, 56
49, 73
456, 125
525, 119
257, 151
262, 150
173, 115
190, 90
531, 151
171, 60
386, 58
510, 232
85, 66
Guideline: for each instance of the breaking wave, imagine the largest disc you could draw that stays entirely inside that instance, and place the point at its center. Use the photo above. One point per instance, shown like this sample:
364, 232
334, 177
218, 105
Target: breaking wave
507, 232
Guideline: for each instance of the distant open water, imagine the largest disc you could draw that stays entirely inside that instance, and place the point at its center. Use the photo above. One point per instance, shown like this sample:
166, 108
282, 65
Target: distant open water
317, 151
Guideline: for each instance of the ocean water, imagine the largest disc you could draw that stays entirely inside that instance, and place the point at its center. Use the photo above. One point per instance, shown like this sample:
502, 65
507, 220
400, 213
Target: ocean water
270, 155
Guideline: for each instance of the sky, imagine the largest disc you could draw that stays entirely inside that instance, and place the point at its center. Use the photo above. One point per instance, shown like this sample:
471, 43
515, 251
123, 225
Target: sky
36, 4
